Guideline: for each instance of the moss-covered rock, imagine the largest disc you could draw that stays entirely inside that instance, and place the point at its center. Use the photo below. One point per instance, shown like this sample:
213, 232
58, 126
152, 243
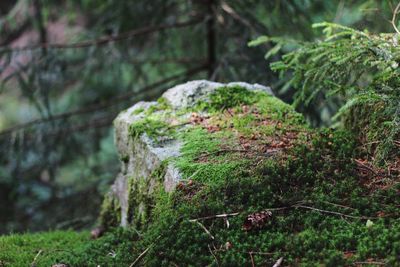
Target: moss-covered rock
257, 184
235, 177
150, 135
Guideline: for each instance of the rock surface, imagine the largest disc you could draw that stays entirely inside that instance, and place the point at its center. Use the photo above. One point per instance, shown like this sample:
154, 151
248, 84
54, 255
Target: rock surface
141, 156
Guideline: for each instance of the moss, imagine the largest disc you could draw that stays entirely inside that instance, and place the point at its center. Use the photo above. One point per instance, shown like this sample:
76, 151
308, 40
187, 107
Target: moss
40, 249
151, 126
231, 173
124, 158
162, 104
376, 129
137, 111
110, 214
252, 154
115, 248
321, 174
142, 195
228, 97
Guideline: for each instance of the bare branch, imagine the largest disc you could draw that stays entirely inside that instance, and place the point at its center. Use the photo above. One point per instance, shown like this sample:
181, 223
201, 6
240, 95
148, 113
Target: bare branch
278, 262
108, 39
393, 21
148, 90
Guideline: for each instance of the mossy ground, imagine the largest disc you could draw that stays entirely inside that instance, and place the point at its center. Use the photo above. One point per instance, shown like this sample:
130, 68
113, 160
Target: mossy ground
40, 249
115, 248
243, 157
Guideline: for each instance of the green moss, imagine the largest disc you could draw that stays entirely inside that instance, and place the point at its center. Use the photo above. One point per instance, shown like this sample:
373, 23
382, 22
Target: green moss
162, 104
48, 248
228, 97
125, 158
142, 195
137, 111
321, 174
376, 128
110, 214
257, 155
153, 127
115, 248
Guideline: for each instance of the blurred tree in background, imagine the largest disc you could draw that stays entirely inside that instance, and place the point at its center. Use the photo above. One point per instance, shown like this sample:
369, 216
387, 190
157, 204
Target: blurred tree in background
67, 68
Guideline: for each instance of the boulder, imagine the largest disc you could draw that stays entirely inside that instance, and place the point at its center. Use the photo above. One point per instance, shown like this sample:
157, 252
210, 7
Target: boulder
143, 151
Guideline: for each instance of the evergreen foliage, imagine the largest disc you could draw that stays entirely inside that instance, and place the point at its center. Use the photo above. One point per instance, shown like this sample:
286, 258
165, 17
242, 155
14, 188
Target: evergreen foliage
356, 67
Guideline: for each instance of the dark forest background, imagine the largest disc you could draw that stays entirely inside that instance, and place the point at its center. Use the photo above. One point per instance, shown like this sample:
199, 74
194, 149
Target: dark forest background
68, 67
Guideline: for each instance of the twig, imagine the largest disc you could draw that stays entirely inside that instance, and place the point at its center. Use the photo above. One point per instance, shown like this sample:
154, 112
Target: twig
338, 205
365, 166
261, 253
107, 39
109, 103
252, 259
331, 212
219, 152
369, 263
266, 154
215, 216
225, 215
229, 10
153, 243
141, 255
205, 229
393, 21
34, 259
278, 262
215, 257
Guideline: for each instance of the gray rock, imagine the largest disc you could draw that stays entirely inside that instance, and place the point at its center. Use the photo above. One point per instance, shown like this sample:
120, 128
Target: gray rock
140, 157
187, 94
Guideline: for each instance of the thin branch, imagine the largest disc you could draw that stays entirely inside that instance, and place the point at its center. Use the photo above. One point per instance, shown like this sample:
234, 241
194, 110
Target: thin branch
230, 11
368, 263
252, 259
338, 205
226, 215
216, 216
215, 257
393, 21
205, 229
107, 39
182, 60
331, 212
141, 255
278, 262
33, 264
109, 103
219, 152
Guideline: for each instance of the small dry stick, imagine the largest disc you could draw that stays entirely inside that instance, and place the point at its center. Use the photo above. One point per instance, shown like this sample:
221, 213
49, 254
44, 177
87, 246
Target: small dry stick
205, 230
140, 256
278, 262
215, 257
395, 12
332, 212
225, 215
339, 205
369, 263
33, 264
252, 259
144, 252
